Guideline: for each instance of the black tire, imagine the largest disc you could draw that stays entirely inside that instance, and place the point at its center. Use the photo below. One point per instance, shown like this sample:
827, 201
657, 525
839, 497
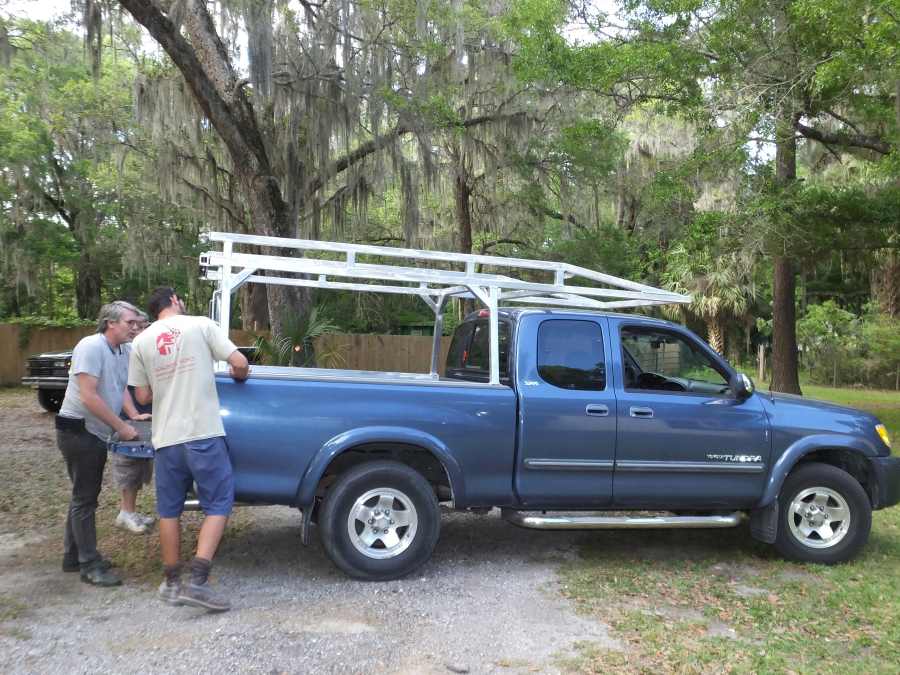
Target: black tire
51, 399
402, 549
837, 493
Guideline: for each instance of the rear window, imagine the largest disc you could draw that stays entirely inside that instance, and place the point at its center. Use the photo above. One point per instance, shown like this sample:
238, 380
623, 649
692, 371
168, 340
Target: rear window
469, 355
570, 354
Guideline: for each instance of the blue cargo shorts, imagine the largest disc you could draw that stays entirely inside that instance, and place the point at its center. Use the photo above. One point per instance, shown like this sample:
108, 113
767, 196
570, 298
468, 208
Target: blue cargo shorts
205, 462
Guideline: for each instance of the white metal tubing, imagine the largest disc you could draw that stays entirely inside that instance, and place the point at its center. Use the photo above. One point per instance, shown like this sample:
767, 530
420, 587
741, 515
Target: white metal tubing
468, 258
382, 272
494, 323
225, 288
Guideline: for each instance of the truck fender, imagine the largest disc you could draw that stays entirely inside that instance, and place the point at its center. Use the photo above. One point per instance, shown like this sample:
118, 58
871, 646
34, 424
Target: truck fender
803, 446
378, 434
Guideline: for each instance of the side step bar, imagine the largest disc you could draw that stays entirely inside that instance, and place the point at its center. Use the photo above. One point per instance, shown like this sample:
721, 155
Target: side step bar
595, 522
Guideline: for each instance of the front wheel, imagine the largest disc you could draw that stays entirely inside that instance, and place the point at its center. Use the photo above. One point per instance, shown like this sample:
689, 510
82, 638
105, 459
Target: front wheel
380, 521
51, 399
825, 515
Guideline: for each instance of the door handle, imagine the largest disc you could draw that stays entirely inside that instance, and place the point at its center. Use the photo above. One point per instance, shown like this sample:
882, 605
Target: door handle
596, 410
640, 412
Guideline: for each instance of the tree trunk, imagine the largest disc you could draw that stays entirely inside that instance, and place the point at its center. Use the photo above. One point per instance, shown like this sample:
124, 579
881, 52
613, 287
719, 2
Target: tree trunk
785, 375
463, 193
886, 285
784, 329
255, 307
207, 70
87, 288
715, 334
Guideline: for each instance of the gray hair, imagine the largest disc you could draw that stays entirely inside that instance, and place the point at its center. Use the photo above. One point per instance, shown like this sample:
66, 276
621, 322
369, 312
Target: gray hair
112, 312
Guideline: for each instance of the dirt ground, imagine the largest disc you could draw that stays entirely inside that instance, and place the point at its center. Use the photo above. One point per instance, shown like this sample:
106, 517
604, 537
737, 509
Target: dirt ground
489, 601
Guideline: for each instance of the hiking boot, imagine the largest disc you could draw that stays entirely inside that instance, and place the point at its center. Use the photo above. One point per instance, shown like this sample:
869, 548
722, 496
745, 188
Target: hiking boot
131, 522
96, 575
169, 592
72, 564
201, 595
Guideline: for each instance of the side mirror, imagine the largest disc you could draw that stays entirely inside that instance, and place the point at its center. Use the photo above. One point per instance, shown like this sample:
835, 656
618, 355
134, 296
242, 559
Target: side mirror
741, 386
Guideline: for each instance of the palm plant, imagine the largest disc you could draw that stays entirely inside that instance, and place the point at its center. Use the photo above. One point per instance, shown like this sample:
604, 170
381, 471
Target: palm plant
721, 287
295, 344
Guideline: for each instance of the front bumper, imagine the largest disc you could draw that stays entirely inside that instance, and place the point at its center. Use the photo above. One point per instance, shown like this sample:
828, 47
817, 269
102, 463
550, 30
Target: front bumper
46, 382
886, 475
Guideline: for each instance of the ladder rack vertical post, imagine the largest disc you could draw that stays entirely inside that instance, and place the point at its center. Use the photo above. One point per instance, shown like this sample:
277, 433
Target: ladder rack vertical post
225, 289
494, 325
438, 330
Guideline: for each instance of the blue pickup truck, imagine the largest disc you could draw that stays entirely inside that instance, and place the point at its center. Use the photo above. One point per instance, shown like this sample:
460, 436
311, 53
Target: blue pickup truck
564, 415
594, 414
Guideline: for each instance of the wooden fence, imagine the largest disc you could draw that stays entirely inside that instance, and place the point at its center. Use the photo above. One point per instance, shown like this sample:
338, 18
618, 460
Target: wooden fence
388, 353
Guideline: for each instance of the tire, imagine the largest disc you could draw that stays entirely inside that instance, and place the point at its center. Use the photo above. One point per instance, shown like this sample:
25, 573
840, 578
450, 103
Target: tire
369, 498
825, 515
51, 399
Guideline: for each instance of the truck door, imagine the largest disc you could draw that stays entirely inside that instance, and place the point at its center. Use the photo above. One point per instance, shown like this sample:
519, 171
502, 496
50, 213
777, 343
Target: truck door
684, 440
567, 423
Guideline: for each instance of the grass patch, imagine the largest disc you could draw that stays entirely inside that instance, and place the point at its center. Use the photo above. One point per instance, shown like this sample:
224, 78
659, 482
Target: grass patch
717, 601
35, 493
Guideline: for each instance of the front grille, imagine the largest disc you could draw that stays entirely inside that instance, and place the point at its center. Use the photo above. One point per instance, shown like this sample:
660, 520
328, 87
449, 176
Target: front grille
45, 368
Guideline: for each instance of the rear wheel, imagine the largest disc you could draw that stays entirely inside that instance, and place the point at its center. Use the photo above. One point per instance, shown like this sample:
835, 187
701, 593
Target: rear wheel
825, 515
380, 521
51, 399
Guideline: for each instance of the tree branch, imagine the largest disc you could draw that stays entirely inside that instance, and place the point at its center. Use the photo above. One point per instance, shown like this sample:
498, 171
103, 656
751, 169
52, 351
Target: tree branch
845, 140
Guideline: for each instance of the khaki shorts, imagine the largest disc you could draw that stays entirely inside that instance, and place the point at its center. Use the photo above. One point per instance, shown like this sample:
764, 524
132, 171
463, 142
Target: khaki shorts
131, 472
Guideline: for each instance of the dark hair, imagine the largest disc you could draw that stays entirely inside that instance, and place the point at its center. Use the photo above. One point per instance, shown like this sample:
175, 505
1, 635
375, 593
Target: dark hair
160, 299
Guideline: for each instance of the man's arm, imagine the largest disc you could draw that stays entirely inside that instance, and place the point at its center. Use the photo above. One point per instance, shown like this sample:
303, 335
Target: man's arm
143, 395
87, 386
239, 367
130, 410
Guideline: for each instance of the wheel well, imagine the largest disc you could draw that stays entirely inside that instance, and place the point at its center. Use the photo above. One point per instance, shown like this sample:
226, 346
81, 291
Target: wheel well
413, 456
851, 462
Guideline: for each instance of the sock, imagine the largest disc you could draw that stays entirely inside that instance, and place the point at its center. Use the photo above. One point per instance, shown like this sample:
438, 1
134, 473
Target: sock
173, 573
200, 571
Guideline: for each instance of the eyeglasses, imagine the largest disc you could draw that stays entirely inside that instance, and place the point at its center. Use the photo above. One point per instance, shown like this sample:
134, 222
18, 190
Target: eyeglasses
135, 323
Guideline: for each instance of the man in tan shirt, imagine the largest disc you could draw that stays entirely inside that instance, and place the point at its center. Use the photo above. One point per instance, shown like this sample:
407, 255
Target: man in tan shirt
172, 365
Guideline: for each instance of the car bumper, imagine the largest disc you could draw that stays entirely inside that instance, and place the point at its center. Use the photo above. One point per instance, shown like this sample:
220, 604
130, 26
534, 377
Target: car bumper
46, 382
886, 472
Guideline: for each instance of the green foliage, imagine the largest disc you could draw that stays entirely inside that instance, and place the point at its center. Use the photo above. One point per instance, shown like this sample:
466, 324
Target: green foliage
294, 346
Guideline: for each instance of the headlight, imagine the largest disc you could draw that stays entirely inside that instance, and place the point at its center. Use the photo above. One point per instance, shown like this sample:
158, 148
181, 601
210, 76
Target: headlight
883, 433
60, 364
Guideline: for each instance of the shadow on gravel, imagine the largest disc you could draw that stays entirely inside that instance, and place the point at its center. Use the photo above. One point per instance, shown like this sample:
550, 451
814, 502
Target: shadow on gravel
270, 544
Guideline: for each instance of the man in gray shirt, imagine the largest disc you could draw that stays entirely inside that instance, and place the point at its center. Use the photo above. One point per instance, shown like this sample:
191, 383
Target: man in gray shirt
89, 415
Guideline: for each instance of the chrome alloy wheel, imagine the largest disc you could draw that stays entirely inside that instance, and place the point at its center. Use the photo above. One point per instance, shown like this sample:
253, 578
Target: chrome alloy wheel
382, 523
819, 517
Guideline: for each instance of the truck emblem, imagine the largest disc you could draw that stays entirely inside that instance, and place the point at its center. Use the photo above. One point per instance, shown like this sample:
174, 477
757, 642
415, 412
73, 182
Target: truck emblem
728, 457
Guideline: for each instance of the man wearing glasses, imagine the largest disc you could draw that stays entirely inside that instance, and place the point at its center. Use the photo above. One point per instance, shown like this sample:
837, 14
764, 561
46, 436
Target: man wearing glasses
89, 415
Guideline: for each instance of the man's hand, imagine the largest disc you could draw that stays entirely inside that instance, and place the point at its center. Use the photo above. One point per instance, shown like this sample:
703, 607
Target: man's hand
238, 367
127, 433
140, 417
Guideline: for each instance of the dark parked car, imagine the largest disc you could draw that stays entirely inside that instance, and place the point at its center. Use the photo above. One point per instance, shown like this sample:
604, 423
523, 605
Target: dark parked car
49, 374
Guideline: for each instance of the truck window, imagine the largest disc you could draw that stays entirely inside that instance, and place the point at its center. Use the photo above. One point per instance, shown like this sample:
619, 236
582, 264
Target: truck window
570, 354
459, 346
661, 360
469, 355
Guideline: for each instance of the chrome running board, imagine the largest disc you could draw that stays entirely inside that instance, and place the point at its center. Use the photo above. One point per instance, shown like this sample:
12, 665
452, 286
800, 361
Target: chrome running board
595, 522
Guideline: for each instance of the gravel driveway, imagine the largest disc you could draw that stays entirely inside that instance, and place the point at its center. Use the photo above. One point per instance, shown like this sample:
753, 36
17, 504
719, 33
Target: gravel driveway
488, 601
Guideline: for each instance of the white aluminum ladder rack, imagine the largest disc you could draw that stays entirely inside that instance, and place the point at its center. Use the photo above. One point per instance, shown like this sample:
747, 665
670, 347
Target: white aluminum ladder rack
434, 276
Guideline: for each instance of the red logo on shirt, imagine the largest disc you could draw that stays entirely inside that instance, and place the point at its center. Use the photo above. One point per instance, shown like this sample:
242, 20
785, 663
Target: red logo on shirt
165, 342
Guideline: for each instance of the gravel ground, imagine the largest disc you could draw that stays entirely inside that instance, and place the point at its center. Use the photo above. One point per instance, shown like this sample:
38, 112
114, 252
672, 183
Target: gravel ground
488, 601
